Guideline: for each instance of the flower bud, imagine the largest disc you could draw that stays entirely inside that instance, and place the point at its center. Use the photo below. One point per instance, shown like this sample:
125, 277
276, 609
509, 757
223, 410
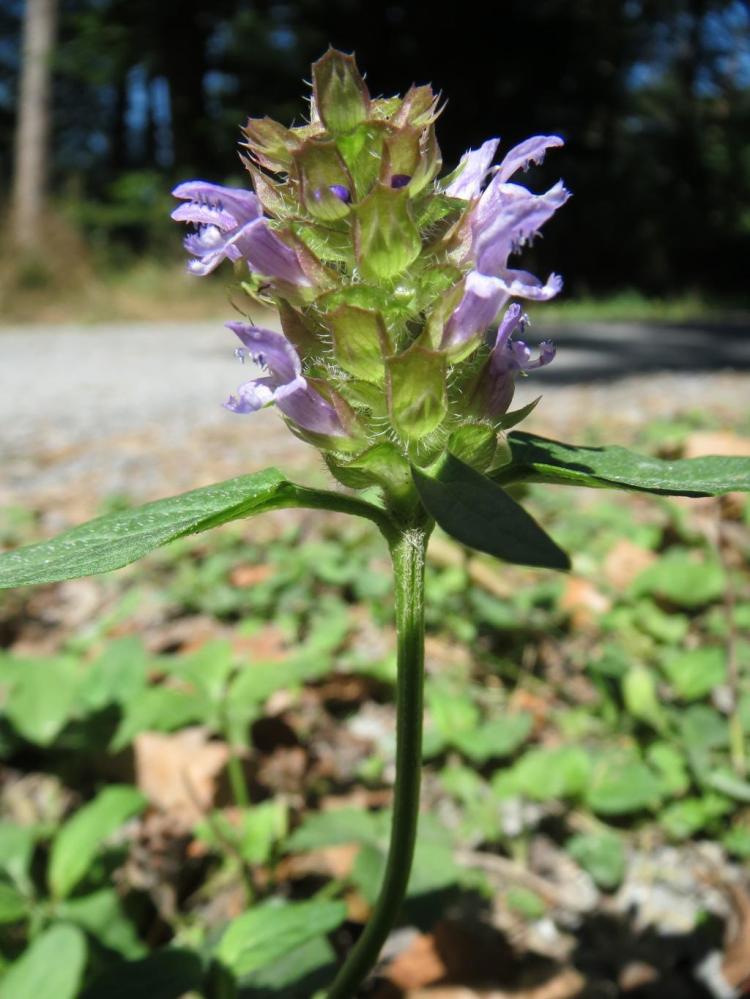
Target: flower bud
341, 97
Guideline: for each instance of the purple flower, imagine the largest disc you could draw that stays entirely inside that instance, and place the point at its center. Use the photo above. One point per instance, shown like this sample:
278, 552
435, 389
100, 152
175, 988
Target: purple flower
482, 300
507, 358
284, 384
506, 217
230, 226
473, 166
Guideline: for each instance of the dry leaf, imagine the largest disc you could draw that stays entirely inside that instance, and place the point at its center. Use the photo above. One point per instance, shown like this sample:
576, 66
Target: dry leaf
583, 602
624, 562
177, 772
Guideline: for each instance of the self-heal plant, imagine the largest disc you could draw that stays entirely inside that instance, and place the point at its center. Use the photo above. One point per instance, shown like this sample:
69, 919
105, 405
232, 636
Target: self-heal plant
400, 343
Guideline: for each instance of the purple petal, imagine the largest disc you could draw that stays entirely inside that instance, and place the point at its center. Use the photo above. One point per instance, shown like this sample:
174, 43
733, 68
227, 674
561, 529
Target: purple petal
508, 216
307, 408
242, 205
269, 255
521, 284
482, 300
526, 152
475, 165
399, 180
270, 350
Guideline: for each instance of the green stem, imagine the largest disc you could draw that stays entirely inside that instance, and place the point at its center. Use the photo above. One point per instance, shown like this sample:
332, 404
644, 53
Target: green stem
408, 550
237, 781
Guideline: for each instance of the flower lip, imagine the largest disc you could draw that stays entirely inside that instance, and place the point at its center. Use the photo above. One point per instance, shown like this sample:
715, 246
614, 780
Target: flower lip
283, 384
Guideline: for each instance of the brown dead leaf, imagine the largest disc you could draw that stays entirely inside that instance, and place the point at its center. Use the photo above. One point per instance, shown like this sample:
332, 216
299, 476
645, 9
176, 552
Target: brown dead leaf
565, 985
636, 974
328, 861
583, 602
177, 772
624, 562
245, 576
735, 965
708, 442
268, 644
534, 704
420, 964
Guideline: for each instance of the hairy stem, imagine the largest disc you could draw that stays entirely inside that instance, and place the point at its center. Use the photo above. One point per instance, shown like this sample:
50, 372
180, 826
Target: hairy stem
408, 555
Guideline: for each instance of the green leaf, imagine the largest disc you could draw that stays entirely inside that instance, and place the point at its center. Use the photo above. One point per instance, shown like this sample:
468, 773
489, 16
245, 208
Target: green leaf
525, 902
496, 738
16, 849
120, 538
728, 783
42, 698
600, 854
682, 577
102, 916
695, 673
542, 460
268, 931
13, 906
683, 819
79, 840
544, 774
159, 709
477, 512
294, 975
118, 675
337, 827
621, 783
670, 766
51, 968
166, 974
641, 698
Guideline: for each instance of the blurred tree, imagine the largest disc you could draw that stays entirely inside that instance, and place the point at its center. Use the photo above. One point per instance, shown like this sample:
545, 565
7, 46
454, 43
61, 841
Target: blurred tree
33, 124
652, 96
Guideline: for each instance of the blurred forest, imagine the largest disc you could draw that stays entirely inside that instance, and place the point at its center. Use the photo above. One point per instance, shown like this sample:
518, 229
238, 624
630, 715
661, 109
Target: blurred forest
652, 97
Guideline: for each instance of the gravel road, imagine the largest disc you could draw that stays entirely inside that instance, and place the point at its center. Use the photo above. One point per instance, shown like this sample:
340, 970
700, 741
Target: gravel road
135, 409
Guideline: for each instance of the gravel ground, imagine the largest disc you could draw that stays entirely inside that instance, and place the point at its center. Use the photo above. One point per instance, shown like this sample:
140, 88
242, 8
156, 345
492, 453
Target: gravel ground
135, 409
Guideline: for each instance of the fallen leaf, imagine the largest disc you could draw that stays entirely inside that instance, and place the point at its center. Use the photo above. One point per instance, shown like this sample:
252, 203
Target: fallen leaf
420, 964
707, 442
177, 772
583, 602
245, 576
624, 562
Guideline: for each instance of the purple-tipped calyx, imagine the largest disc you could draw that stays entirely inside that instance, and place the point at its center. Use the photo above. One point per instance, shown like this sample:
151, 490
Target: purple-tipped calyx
284, 384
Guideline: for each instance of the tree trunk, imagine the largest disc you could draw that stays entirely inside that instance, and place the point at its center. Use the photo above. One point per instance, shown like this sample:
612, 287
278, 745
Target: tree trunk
33, 124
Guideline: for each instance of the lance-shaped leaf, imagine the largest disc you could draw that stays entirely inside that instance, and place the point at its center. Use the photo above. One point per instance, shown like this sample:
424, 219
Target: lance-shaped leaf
417, 397
477, 512
385, 236
360, 340
340, 93
326, 183
542, 460
120, 538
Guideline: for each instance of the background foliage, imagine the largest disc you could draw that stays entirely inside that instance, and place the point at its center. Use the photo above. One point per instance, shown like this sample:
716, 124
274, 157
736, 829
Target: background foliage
652, 96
